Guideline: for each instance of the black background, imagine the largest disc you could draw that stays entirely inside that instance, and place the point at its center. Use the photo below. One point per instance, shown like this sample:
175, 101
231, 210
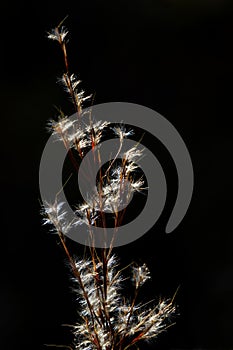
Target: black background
173, 56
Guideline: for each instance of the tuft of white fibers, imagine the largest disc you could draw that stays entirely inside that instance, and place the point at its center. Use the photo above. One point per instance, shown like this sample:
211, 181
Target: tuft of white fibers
58, 34
73, 80
55, 216
140, 275
133, 154
110, 320
63, 128
76, 134
121, 132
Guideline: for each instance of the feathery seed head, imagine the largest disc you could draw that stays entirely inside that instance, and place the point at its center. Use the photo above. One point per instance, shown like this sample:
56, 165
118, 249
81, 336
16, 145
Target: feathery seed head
58, 34
121, 132
55, 215
140, 275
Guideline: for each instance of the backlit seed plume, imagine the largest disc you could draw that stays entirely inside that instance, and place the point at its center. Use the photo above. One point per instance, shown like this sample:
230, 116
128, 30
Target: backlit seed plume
55, 216
121, 132
58, 34
140, 275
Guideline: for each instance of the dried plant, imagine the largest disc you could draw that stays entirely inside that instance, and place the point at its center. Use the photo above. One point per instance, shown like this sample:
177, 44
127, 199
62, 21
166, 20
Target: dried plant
108, 320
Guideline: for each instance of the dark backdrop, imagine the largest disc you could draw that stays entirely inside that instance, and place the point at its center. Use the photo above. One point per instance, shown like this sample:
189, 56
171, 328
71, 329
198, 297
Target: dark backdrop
173, 56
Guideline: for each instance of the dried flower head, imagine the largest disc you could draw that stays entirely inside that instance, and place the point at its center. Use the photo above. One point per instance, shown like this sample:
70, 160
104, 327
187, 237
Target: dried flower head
58, 34
121, 131
140, 275
55, 216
